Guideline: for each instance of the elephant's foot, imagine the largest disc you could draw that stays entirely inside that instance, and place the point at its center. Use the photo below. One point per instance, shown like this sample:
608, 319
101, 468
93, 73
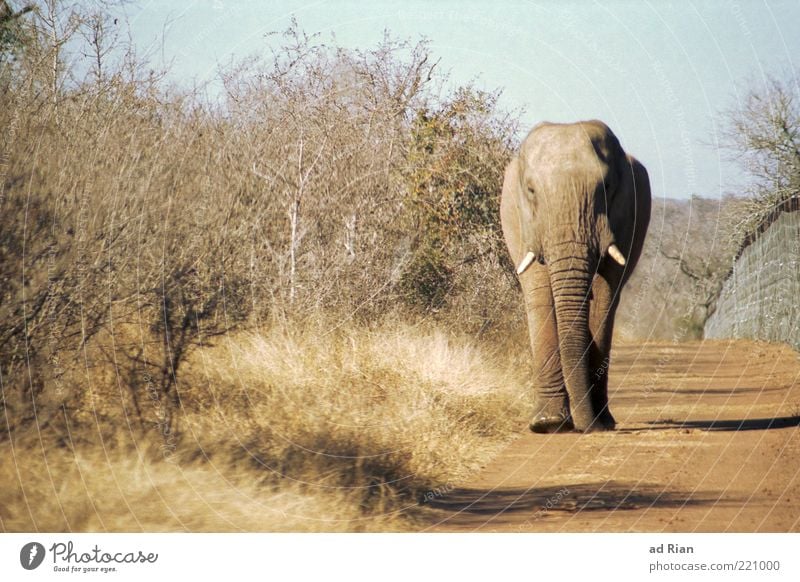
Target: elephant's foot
603, 419
607, 419
601, 422
551, 415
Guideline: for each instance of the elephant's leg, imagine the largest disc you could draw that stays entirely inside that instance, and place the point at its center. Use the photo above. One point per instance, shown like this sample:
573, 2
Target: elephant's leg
551, 404
605, 299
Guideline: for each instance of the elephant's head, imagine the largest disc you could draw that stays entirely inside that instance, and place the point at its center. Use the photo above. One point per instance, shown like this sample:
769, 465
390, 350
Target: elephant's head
567, 185
575, 188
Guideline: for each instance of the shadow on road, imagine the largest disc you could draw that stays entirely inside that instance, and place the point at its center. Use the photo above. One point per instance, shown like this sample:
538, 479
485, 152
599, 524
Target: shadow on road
726, 425
733, 391
463, 506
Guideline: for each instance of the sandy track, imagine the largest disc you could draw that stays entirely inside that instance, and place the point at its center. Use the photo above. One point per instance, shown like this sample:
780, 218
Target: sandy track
708, 439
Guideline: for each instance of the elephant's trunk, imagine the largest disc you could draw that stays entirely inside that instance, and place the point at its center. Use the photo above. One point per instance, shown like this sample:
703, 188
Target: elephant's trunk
571, 277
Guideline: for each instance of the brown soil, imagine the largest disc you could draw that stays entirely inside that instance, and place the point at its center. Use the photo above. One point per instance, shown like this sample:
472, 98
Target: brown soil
707, 440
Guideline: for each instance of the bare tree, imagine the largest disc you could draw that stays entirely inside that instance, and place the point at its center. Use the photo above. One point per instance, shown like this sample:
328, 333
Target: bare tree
763, 135
694, 257
98, 29
327, 138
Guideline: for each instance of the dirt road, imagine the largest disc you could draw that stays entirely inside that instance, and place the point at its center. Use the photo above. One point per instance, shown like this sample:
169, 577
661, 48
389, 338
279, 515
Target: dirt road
707, 440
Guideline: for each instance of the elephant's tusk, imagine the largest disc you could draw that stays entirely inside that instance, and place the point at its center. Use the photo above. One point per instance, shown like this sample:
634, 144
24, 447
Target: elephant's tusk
526, 262
616, 255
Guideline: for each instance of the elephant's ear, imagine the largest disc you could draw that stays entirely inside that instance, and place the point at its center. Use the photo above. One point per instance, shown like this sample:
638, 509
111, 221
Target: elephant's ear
518, 213
629, 209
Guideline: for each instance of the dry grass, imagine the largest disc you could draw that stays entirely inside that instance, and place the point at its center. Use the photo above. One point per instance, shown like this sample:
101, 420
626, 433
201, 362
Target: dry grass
123, 490
283, 430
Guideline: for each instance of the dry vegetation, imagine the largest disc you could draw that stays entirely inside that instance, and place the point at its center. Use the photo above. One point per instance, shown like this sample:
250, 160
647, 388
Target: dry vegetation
687, 255
202, 303
284, 430
763, 136
290, 309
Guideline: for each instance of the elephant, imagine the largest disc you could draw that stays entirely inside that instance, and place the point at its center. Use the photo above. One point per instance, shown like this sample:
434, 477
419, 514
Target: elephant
574, 212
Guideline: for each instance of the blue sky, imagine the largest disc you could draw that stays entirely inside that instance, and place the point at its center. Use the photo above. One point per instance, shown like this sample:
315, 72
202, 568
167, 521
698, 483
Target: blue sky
659, 73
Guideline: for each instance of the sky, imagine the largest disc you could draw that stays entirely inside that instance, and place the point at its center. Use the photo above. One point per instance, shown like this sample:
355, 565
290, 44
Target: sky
660, 74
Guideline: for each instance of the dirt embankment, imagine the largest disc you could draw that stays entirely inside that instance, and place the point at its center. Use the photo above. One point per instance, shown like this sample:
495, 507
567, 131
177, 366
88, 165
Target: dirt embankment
707, 440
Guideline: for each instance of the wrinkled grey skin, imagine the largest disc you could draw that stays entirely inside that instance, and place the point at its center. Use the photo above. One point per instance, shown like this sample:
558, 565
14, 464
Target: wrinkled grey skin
568, 196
